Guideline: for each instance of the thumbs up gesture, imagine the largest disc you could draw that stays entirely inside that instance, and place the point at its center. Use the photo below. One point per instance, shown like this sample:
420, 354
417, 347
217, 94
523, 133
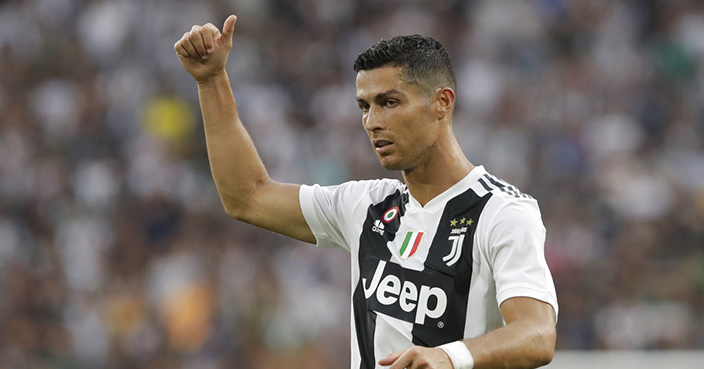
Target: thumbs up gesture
203, 50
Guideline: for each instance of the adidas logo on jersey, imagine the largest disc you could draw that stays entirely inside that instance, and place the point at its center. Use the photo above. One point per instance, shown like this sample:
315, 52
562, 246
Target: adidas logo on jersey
402, 297
378, 227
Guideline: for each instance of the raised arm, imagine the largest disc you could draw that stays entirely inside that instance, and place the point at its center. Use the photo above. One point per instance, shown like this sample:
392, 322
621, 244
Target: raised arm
246, 190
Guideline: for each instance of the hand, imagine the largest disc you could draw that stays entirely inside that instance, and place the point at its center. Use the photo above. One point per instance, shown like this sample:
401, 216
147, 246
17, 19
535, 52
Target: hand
418, 357
203, 51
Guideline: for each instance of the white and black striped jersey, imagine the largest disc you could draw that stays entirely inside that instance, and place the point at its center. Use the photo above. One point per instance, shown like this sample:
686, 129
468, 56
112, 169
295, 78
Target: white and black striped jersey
433, 274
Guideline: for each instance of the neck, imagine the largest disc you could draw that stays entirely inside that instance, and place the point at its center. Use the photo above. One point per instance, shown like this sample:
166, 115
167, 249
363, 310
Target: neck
446, 167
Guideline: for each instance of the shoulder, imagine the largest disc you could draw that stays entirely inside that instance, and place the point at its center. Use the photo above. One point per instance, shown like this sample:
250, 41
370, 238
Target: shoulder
374, 190
504, 195
502, 205
508, 211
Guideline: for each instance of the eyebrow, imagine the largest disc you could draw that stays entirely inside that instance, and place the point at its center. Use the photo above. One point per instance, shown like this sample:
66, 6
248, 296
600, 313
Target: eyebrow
381, 95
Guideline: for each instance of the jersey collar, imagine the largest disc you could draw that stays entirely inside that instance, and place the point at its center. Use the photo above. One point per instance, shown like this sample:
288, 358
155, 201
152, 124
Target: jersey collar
456, 189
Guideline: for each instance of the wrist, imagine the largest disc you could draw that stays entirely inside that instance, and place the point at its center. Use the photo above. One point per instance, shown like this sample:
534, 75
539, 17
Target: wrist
459, 354
212, 79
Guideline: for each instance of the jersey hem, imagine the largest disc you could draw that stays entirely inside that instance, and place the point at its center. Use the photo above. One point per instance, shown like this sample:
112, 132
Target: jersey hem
528, 292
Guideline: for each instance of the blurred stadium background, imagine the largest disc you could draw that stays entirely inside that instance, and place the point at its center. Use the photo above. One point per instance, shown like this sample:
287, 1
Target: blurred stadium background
116, 253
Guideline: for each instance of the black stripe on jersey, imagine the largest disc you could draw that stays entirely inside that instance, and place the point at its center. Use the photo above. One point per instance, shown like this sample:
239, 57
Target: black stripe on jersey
500, 185
457, 224
511, 187
505, 186
486, 187
372, 242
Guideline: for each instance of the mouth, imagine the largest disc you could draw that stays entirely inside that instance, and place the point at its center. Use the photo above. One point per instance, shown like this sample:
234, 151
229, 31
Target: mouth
382, 146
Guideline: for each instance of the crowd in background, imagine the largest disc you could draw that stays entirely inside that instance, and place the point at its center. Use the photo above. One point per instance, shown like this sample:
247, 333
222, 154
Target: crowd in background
115, 251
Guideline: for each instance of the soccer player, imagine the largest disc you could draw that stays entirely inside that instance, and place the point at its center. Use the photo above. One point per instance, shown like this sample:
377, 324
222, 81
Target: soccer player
447, 267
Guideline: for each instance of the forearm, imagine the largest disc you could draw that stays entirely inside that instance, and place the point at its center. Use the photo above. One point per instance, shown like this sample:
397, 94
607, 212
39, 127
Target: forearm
235, 164
520, 344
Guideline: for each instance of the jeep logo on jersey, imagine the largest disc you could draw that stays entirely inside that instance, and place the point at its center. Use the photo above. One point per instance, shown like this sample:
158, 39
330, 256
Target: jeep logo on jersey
404, 294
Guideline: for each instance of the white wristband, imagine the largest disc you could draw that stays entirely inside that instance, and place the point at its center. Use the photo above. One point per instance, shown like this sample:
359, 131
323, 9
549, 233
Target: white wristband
459, 354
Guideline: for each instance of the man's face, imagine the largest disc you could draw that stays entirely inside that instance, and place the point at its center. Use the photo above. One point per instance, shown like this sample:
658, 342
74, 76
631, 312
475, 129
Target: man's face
398, 118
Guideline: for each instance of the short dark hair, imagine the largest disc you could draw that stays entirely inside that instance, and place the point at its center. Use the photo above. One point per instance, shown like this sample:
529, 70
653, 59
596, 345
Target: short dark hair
423, 60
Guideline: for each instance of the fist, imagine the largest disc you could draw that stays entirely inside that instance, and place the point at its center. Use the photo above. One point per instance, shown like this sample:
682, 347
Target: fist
203, 50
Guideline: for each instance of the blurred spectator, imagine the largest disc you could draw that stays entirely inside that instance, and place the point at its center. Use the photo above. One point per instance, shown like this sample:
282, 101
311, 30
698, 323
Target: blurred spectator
115, 251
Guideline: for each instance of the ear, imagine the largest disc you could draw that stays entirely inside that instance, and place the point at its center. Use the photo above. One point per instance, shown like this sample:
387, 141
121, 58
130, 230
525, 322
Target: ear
445, 102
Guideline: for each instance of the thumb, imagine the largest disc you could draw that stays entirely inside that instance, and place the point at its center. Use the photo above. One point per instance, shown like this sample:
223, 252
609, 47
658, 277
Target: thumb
229, 28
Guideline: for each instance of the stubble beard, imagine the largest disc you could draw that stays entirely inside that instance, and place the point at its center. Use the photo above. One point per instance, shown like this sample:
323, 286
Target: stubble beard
390, 164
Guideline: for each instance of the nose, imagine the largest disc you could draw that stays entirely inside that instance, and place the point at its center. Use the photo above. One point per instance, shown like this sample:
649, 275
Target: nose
372, 120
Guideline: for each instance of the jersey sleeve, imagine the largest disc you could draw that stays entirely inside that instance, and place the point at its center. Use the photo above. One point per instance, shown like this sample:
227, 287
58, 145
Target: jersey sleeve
330, 210
321, 207
515, 239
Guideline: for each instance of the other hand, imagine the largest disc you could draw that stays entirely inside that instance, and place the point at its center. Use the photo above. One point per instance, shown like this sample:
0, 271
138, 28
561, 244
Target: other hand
418, 357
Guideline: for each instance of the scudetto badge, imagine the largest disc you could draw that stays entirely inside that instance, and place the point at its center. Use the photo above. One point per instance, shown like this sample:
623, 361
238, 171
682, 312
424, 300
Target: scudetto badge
410, 244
